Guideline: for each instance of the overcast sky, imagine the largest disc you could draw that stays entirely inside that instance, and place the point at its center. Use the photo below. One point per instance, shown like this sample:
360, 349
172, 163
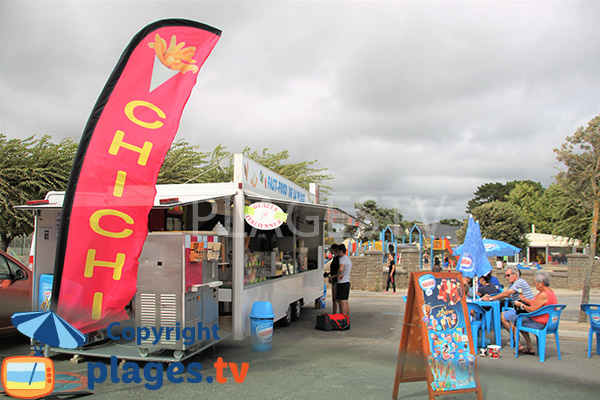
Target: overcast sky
413, 104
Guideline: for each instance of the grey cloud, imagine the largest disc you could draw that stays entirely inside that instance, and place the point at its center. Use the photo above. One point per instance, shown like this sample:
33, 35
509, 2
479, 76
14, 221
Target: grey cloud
420, 101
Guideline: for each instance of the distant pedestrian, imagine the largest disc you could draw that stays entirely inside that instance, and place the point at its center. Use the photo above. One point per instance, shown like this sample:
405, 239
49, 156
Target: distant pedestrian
391, 278
437, 267
499, 263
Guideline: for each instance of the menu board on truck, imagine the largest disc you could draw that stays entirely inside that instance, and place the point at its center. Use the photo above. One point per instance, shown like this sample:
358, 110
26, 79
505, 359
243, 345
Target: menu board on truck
436, 343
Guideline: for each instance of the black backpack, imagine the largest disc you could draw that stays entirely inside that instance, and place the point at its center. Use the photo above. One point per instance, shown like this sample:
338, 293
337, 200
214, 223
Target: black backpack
333, 322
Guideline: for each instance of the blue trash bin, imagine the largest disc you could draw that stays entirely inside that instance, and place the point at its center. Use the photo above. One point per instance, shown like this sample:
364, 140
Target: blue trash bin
261, 326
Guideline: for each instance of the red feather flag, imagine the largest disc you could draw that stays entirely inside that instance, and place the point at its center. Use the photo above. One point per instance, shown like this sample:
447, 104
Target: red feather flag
111, 188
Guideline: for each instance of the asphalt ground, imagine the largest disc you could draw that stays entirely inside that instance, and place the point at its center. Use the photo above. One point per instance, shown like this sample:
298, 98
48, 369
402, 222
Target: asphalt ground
360, 363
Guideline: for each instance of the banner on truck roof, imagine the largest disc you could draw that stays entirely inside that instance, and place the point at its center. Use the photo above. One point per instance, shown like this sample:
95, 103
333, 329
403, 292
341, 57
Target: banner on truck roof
264, 182
112, 184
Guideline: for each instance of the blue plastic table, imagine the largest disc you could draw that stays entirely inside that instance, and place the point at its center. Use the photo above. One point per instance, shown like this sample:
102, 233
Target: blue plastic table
493, 307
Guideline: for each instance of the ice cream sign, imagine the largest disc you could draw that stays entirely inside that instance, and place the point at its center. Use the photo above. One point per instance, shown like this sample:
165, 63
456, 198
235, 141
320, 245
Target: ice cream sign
466, 262
427, 283
264, 216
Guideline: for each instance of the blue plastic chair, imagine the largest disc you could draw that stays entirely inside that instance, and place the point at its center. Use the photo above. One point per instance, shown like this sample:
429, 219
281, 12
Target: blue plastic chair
593, 311
551, 327
478, 324
505, 306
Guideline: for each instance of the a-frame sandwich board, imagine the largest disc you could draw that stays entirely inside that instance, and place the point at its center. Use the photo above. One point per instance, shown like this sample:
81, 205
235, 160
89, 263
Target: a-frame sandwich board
436, 343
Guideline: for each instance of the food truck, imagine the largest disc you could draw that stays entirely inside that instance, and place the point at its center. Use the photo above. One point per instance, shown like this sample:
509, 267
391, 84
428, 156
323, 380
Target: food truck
212, 250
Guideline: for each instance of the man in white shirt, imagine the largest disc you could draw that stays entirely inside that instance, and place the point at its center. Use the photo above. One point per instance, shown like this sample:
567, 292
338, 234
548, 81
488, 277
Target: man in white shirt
343, 281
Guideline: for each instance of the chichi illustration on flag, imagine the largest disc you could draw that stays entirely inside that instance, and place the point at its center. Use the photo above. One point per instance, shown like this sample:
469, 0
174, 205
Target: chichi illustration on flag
111, 188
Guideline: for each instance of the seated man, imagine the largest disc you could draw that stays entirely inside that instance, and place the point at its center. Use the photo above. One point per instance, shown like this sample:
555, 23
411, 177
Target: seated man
518, 286
493, 280
485, 286
467, 283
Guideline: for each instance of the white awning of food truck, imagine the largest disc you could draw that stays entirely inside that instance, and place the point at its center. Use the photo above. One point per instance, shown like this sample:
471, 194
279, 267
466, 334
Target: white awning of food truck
179, 195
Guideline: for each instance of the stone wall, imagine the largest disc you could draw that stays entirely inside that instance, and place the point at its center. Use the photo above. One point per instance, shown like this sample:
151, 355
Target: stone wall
558, 279
410, 259
577, 264
369, 272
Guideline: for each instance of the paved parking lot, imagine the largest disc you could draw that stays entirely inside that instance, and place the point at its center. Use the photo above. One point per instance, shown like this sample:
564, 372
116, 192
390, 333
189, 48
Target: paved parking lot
356, 364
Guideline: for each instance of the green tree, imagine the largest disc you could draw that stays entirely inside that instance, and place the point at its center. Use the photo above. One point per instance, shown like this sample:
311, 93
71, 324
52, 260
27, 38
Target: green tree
497, 191
451, 222
29, 168
185, 163
549, 209
302, 173
500, 221
580, 153
526, 197
376, 217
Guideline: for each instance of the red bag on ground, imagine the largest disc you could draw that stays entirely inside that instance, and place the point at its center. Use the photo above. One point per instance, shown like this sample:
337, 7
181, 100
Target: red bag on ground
333, 322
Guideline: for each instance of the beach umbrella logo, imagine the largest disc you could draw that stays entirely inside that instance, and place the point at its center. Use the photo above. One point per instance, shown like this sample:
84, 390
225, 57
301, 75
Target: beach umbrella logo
33, 377
48, 328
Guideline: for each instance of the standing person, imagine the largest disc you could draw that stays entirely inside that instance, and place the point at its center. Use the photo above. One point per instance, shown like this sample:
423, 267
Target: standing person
499, 263
446, 263
343, 280
391, 272
333, 271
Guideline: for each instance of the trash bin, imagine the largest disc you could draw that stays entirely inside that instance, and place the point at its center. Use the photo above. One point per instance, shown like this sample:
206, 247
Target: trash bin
45, 291
324, 296
261, 326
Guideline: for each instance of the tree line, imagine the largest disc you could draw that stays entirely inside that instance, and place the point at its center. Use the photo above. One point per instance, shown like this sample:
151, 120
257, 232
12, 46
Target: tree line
31, 167
568, 207
506, 211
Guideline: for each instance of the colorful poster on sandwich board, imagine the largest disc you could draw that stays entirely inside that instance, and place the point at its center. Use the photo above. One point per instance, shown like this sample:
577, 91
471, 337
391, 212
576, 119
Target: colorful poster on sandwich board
436, 343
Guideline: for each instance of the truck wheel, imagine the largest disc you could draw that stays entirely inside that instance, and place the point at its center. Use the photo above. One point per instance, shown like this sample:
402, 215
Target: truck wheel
287, 320
296, 309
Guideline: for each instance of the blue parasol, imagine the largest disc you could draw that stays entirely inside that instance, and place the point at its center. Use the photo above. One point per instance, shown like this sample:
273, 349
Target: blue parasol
48, 328
498, 248
473, 260
493, 248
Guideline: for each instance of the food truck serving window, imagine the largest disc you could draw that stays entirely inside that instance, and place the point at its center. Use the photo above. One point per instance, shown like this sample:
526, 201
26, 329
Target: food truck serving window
288, 249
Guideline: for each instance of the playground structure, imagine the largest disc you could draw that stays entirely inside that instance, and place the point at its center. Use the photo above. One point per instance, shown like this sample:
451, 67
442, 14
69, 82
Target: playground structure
442, 245
389, 242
